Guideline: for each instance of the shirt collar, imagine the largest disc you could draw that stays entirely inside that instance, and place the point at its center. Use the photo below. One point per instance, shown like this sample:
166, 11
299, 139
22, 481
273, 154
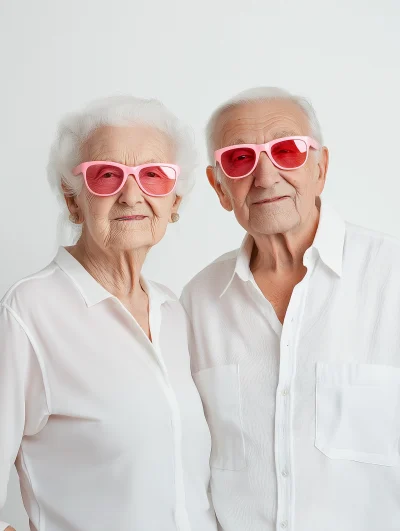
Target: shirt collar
157, 293
329, 239
93, 292
328, 242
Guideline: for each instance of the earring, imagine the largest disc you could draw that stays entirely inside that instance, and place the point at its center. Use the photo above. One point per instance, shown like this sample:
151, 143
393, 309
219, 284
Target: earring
174, 217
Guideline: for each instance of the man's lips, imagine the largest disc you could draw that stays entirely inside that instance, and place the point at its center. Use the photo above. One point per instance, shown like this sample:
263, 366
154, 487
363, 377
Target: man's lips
271, 200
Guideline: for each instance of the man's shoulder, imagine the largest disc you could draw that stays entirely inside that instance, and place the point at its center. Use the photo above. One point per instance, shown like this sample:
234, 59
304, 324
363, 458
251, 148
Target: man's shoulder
212, 279
379, 250
368, 238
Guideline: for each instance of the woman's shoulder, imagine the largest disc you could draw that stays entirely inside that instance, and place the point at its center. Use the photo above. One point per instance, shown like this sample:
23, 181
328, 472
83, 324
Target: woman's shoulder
31, 287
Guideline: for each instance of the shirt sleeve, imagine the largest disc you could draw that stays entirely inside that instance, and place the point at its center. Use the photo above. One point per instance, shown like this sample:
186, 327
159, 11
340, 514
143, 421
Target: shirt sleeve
184, 300
193, 329
23, 404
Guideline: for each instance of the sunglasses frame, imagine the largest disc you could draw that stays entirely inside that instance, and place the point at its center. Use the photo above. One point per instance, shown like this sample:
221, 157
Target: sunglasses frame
127, 170
261, 148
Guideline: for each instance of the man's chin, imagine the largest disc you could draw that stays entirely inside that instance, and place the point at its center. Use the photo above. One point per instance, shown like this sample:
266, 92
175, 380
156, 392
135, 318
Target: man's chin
270, 225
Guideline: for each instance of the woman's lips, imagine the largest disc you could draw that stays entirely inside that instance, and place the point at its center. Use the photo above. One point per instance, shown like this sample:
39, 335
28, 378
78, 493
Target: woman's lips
131, 218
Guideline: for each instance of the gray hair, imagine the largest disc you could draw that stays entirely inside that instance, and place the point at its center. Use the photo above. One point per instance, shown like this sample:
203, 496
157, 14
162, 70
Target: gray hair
75, 128
261, 94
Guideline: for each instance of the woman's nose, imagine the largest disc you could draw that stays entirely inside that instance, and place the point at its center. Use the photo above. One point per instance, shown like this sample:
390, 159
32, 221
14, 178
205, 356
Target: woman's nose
131, 192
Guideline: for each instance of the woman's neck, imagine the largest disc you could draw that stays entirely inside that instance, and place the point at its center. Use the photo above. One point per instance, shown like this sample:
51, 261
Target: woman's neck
117, 271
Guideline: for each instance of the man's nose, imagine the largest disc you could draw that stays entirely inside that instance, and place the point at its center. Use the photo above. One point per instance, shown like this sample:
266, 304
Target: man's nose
265, 173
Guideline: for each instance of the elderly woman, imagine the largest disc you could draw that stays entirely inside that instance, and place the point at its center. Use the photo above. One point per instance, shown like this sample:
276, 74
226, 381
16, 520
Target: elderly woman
97, 406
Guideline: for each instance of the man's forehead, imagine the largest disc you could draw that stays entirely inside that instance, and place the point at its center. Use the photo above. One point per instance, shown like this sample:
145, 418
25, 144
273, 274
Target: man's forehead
276, 118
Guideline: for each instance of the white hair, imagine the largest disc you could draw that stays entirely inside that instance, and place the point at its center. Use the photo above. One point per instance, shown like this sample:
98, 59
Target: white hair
261, 94
75, 128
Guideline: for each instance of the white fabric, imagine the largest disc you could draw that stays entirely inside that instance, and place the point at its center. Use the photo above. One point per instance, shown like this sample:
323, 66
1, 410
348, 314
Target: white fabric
106, 428
304, 417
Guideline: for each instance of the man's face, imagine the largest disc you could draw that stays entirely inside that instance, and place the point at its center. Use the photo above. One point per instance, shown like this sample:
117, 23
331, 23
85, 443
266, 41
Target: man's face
293, 191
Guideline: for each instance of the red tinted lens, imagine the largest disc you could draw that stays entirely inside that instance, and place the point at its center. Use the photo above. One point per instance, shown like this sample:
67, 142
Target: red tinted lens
104, 179
238, 162
289, 154
157, 180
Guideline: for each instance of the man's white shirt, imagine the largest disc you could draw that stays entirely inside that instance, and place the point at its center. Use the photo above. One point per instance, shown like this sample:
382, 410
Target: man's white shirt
304, 416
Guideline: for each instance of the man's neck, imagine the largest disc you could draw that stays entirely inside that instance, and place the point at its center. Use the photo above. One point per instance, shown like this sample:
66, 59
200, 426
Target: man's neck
282, 254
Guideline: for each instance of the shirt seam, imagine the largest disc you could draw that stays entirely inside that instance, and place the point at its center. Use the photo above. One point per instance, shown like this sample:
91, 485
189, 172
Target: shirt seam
41, 274
29, 476
35, 350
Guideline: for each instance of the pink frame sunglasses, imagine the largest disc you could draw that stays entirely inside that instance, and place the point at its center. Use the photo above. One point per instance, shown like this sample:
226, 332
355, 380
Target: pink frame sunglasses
105, 178
287, 153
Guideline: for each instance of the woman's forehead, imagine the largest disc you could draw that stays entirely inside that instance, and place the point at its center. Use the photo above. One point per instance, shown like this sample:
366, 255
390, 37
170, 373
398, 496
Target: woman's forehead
127, 144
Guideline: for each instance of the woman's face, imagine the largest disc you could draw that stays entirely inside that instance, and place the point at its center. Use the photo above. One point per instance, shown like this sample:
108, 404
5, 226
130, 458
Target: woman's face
101, 216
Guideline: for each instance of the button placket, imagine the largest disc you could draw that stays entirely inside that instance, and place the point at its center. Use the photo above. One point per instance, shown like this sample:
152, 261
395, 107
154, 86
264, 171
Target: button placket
284, 407
283, 417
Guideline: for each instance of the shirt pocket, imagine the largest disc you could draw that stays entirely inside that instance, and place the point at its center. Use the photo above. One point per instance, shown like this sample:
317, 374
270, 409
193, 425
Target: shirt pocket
219, 388
358, 412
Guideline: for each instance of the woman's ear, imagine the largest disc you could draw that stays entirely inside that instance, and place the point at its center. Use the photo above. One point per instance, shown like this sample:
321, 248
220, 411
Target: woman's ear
174, 216
73, 207
176, 205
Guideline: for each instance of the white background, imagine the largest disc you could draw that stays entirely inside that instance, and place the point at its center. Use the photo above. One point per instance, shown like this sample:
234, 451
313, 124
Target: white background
57, 55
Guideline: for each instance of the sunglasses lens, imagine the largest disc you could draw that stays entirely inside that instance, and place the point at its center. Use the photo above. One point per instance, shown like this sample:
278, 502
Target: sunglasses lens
103, 179
238, 162
289, 154
157, 180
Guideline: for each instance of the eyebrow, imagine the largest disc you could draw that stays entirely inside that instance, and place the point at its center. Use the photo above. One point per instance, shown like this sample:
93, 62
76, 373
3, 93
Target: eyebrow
149, 161
282, 134
278, 134
238, 141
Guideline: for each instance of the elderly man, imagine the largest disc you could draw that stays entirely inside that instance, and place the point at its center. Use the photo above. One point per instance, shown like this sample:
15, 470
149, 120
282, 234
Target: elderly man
296, 336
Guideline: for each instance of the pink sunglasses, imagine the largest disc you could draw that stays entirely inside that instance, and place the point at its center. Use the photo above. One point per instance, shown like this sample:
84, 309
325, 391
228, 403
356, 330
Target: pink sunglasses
105, 178
288, 153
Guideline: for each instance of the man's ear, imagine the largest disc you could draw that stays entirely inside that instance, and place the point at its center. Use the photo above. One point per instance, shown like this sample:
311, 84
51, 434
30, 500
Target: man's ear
323, 164
224, 199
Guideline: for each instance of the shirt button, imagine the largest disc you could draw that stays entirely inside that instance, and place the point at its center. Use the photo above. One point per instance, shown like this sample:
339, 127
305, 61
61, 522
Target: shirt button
285, 473
284, 524
285, 392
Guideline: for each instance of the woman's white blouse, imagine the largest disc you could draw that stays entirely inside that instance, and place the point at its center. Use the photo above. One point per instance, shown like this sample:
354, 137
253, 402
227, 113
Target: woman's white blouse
105, 427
